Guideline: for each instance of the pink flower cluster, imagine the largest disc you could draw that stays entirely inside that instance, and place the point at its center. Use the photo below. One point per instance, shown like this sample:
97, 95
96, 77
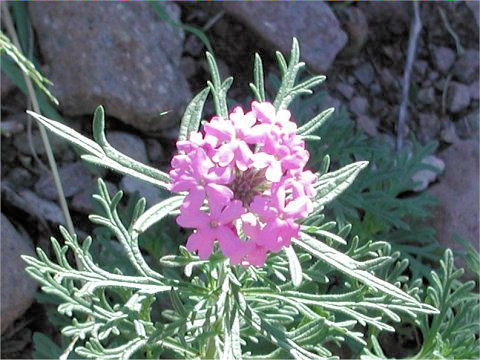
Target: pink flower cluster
246, 184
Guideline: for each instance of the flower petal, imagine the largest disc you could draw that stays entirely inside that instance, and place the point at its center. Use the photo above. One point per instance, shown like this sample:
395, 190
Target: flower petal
274, 171
194, 199
193, 219
230, 244
243, 156
231, 212
218, 194
201, 242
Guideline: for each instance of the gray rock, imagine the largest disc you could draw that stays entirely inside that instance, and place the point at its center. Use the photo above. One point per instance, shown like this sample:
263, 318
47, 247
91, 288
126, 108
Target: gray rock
171, 134
468, 126
388, 79
188, 66
354, 22
380, 108
430, 126
474, 7
74, 177
345, 89
13, 124
466, 68
426, 96
193, 45
155, 150
128, 144
458, 97
457, 192
394, 15
31, 203
475, 90
358, 105
313, 23
365, 74
129, 63
83, 201
17, 287
443, 58
367, 124
449, 134
433, 75
20, 177
9, 127
41, 208
420, 67
151, 193
375, 88
22, 143
5, 85
427, 176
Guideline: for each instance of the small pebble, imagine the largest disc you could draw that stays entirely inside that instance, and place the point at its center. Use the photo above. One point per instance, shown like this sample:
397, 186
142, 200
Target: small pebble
458, 97
443, 58
358, 105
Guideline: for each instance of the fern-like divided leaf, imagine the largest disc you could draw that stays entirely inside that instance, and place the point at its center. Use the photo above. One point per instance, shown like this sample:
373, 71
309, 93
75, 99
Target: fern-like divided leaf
319, 290
101, 153
219, 89
288, 91
454, 333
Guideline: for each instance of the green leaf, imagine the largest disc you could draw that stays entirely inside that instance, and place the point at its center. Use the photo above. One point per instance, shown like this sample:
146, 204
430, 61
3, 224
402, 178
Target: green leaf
332, 184
117, 156
311, 138
258, 86
282, 63
177, 304
309, 83
193, 114
294, 265
352, 268
22, 25
16, 76
219, 89
26, 66
315, 123
69, 134
105, 155
288, 79
44, 347
156, 213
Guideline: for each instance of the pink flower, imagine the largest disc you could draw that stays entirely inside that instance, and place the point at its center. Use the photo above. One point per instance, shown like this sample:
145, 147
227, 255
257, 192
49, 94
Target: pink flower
245, 172
214, 226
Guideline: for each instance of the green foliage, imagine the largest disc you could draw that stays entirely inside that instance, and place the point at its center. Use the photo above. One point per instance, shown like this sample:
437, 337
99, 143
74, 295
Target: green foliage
26, 66
454, 332
101, 153
331, 286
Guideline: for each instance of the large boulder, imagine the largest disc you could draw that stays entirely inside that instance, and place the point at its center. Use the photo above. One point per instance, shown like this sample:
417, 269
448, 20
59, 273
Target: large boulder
17, 287
457, 192
312, 23
120, 55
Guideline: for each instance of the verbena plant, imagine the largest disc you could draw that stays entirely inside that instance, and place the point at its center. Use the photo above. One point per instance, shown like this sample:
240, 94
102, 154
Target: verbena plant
301, 285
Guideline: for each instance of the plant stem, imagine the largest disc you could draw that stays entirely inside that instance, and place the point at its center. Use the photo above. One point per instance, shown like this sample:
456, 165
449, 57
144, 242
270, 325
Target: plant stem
415, 29
31, 93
